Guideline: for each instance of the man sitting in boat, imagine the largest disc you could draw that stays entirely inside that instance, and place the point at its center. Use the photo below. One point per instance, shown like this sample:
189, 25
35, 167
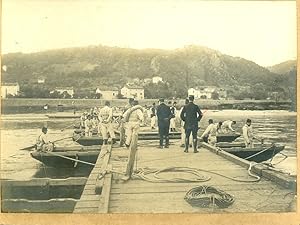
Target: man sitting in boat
227, 126
88, 123
248, 134
105, 123
42, 142
211, 131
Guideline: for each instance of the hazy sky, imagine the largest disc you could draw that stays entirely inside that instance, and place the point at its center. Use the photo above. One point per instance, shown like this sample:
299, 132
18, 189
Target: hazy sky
264, 32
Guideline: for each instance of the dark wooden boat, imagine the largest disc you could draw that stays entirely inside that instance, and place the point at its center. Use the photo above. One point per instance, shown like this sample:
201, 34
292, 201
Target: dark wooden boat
230, 137
97, 140
260, 152
62, 156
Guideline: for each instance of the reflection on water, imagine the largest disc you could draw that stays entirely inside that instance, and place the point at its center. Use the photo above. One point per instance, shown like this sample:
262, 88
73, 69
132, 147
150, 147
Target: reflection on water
21, 131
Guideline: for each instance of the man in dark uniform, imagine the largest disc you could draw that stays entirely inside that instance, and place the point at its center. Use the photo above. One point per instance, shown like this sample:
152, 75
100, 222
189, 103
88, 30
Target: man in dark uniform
191, 115
163, 118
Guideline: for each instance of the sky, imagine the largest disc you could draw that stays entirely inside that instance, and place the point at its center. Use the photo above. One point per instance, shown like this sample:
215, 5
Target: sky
263, 32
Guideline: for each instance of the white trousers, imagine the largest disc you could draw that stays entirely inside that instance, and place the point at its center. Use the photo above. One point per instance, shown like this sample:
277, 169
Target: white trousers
104, 129
130, 128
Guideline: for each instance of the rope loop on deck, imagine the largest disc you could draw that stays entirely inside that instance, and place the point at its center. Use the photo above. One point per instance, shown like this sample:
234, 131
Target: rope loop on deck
153, 175
205, 196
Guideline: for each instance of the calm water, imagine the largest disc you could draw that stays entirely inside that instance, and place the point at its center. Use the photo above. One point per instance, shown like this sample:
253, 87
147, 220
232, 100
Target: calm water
19, 131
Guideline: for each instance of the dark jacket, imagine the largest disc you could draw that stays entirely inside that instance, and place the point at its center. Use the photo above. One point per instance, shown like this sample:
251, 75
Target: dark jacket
163, 114
191, 115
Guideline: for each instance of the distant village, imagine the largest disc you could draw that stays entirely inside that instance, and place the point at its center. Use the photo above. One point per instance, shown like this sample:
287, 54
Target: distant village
133, 89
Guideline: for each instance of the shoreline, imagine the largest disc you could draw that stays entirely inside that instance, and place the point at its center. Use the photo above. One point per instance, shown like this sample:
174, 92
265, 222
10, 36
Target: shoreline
32, 105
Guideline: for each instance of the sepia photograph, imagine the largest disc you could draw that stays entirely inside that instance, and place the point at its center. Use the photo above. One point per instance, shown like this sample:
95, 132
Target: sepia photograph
151, 107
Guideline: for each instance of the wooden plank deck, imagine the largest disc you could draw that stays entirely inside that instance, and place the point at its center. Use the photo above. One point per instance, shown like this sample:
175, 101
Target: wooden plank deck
139, 196
91, 200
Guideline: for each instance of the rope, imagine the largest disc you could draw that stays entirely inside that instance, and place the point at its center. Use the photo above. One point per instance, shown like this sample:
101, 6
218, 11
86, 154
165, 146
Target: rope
155, 178
75, 160
204, 196
262, 151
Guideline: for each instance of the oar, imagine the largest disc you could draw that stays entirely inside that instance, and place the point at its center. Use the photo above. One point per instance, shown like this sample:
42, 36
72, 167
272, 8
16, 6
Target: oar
69, 125
32, 146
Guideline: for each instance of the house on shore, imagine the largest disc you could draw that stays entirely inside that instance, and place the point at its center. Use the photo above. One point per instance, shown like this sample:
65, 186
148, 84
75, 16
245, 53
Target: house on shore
64, 91
133, 91
209, 92
108, 93
9, 89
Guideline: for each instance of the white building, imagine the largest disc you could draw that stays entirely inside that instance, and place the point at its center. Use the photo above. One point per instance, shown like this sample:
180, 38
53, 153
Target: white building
136, 92
68, 90
157, 79
41, 80
108, 94
9, 89
205, 92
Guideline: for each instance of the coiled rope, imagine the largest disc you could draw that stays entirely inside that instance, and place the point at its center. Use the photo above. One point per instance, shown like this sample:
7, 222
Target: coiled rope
152, 175
204, 196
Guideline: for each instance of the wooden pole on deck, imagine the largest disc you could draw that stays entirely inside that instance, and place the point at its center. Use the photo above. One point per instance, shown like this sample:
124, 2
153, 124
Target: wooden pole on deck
132, 153
122, 134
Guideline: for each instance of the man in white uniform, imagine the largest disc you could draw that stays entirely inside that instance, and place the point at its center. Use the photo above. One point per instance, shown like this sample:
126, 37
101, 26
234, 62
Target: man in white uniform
227, 126
105, 123
211, 131
42, 142
248, 134
133, 117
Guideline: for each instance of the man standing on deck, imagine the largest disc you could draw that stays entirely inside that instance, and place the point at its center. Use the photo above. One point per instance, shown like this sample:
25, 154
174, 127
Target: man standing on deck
227, 126
191, 115
105, 123
163, 119
172, 120
134, 118
182, 127
153, 116
248, 134
88, 124
42, 142
211, 131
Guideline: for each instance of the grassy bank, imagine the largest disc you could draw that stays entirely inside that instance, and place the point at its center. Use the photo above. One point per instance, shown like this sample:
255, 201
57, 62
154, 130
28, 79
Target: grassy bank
26, 105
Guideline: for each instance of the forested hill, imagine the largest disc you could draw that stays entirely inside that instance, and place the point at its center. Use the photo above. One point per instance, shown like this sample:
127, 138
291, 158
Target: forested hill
99, 65
284, 67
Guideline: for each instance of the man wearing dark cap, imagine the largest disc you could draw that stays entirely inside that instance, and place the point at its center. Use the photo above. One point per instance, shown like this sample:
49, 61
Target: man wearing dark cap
163, 119
191, 115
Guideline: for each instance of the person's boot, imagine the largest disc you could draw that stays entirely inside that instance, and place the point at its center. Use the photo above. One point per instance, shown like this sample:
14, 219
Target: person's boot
186, 149
195, 145
167, 142
161, 142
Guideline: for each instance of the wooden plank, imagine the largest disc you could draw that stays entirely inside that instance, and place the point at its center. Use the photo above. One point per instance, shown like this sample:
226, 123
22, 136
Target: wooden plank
103, 206
24, 205
76, 181
102, 172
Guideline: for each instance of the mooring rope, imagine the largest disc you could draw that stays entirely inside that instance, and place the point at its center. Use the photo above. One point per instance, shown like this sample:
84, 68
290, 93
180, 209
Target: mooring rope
144, 173
260, 152
204, 196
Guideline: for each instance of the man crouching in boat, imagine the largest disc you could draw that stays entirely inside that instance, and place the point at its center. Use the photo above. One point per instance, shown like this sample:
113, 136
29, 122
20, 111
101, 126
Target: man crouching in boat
42, 142
211, 131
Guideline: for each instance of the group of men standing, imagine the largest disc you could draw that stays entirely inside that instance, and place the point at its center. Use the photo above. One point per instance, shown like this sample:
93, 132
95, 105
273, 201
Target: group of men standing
190, 114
